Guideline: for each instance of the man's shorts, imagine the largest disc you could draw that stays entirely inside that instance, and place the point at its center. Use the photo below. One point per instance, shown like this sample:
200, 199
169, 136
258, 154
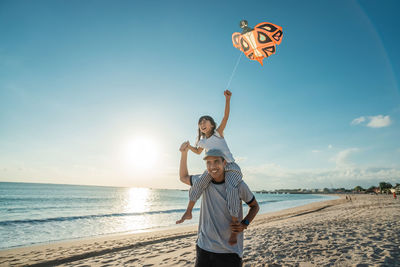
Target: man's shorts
205, 258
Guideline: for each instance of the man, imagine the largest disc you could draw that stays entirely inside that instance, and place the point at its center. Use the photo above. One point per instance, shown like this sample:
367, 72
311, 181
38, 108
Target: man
215, 225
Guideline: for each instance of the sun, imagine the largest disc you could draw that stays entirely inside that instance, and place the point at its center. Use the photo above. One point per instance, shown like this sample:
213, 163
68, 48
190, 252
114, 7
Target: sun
141, 153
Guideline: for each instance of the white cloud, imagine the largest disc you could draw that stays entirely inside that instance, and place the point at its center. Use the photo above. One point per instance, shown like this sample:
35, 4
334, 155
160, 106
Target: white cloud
272, 176
358, 120
321, 150
377, 121
240, 159
342, 157
345, 173
269, 169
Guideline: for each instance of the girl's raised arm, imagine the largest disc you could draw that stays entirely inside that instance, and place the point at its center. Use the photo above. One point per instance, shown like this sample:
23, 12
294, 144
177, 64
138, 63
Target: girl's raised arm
222, 125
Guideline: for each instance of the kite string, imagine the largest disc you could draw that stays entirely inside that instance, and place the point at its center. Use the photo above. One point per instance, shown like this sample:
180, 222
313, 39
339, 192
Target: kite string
234, 70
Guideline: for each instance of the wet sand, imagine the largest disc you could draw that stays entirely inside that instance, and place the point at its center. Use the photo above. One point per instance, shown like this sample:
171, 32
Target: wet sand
362, 232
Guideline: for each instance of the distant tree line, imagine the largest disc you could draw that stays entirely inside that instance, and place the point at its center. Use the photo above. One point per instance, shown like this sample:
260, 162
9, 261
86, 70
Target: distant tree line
383, 187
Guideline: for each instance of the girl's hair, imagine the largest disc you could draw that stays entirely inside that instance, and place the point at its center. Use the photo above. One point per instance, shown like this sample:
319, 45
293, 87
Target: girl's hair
213, 124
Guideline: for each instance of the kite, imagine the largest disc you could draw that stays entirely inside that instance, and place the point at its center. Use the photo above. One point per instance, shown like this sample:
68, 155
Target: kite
258, 43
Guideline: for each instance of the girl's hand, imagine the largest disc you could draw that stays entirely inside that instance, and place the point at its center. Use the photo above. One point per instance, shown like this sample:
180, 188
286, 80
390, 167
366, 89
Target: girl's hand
227, 94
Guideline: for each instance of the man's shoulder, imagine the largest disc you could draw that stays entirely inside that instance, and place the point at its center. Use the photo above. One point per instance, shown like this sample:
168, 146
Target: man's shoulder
243, 185
193, 178
245, 193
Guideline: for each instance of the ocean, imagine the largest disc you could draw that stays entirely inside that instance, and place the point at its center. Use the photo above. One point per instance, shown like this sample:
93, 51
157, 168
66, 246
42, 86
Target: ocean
32, 213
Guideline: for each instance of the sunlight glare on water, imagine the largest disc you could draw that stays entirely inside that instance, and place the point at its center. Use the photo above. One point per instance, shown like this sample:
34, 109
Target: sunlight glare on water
137, 200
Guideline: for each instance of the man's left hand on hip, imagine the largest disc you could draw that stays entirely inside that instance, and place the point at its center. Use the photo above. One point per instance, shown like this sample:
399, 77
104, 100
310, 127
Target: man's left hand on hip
237, 227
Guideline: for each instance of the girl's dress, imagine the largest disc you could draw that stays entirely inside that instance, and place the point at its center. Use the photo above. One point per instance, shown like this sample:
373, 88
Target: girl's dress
233, 174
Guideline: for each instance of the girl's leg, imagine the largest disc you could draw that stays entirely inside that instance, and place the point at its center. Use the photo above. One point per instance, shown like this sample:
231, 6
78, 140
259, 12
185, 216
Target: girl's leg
233, 202
233, 238
236, 177
199, 185
232, 192
195, 192
232, 178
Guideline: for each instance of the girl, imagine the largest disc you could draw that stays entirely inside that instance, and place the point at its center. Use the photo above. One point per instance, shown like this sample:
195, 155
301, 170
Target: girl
211, 137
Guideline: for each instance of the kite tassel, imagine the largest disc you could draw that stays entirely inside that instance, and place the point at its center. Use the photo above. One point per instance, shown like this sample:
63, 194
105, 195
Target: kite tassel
260, 59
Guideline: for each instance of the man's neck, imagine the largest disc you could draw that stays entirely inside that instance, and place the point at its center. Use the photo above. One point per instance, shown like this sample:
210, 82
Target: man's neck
219, 179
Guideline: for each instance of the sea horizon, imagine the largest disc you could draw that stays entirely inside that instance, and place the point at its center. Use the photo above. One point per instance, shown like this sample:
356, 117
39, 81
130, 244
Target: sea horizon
40, 213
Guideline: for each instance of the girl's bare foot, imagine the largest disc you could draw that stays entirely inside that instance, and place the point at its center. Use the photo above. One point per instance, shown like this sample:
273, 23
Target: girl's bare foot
233, 239
186, 216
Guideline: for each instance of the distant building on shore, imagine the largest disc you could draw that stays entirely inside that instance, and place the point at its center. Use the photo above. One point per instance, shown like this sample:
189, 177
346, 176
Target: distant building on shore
356, 190
395, 189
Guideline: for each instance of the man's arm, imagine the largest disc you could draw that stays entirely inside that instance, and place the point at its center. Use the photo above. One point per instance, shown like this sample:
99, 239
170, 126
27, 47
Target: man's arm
183, 170
254, 208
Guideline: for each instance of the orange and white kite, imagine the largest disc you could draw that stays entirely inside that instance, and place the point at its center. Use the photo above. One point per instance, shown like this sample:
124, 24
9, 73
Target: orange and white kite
258, 43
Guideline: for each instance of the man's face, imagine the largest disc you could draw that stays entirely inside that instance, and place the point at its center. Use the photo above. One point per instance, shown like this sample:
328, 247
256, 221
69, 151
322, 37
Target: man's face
216, 167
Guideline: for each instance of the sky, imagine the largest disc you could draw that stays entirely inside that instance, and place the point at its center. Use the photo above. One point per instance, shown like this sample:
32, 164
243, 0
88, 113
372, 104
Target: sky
104, 92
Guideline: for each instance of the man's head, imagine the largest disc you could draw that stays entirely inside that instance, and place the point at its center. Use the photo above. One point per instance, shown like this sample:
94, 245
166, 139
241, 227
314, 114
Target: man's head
216, 163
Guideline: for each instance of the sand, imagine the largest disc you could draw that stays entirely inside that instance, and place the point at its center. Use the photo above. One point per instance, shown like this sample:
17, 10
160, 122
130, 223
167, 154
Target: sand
362, 232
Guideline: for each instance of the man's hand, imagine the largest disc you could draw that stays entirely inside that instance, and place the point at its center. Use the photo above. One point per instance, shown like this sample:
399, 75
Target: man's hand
227, 94
237, 227
184, 147
183, 170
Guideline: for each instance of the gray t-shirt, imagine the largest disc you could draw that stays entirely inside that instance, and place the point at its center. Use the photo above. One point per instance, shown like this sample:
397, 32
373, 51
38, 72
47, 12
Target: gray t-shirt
214, 230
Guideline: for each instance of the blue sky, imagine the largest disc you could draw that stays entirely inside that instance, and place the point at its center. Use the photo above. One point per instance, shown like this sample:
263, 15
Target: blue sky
82, 81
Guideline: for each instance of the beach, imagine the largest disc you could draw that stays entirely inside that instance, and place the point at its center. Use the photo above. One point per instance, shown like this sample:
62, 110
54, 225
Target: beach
362, 231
